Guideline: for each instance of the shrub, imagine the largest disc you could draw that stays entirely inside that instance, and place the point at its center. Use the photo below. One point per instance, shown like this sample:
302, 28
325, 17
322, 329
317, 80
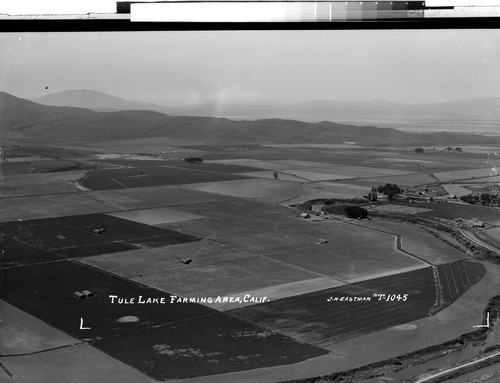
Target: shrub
355, 212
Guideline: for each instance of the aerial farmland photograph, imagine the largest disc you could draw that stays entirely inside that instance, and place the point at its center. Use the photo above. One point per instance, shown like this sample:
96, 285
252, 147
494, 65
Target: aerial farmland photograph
250, 206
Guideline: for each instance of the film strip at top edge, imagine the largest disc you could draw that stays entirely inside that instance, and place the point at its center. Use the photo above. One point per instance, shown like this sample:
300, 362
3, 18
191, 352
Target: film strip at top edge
300, 11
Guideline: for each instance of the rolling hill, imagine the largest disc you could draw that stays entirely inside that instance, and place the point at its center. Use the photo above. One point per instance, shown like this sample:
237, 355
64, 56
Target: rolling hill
43, 123
91, 99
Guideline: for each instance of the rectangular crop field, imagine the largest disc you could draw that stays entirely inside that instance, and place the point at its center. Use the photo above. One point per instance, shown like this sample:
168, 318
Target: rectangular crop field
313, 318
229, 277
466, 211
147, 176
457, 277
53, 205
156, 196
74, 236
348, 260
465, 174
259, 189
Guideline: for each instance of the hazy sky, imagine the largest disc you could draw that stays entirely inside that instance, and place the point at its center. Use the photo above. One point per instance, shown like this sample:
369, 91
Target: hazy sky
407, 66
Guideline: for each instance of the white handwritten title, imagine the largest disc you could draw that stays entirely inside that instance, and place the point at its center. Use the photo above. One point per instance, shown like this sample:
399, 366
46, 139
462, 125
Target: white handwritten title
140, 300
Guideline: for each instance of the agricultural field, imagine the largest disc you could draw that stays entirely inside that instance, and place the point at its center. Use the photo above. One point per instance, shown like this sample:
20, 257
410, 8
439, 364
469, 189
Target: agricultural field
29, 207
163, 228
455, 278
462, 210
147, 176
466, 174
40, 183
76, 236
320, 320
150, 343
457, 190
417, 241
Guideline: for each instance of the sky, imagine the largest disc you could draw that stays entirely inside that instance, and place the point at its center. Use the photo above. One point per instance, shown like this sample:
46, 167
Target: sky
409, 66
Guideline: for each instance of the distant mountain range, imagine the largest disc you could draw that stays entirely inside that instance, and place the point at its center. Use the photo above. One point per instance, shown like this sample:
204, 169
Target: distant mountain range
91, 99
479, 114
28, 120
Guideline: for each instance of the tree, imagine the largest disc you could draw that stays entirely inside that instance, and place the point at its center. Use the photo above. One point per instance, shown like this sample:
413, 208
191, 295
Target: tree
356, 212
419, 150
485, 198
389, 190
275, 175
458, 149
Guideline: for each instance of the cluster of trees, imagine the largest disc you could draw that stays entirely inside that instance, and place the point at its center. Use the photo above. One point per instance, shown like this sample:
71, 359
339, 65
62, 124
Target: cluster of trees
193, 160
356, 212
484, 198
390, 190
448, 149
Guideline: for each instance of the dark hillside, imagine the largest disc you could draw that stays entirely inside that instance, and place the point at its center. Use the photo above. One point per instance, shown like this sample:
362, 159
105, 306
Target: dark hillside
50, 124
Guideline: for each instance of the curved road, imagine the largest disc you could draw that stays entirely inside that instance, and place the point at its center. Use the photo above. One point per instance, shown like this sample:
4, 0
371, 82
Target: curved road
445, 372
471, 237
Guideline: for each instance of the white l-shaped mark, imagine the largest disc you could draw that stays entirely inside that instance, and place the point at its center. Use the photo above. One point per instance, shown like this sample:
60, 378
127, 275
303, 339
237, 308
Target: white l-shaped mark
81, 325
487, 321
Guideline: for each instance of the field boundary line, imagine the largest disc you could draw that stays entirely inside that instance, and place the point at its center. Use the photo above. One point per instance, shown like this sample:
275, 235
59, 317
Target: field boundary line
36, 263
118, 182
76, 192
276, 261
398, 241
6, 370
86, 194
44, 350
439, 301
429, 173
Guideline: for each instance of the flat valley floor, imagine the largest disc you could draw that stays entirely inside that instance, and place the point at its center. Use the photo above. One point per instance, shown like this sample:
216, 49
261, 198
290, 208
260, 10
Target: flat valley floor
111, 221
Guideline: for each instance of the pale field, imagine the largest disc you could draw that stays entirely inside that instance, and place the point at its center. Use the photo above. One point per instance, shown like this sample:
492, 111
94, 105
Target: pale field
161, 267
352, 171
331, 190
39, 183
145, 142
334, 171
399, 209
403, 180
47, 206
156, 216
24, 159
226, 278
82, 363
494, 232
311, 176
152, 145
465, 174
415, 240
457, 190
415, 161
21, 333
155, 196
269, 165
161, 260
492, 179
258, 189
